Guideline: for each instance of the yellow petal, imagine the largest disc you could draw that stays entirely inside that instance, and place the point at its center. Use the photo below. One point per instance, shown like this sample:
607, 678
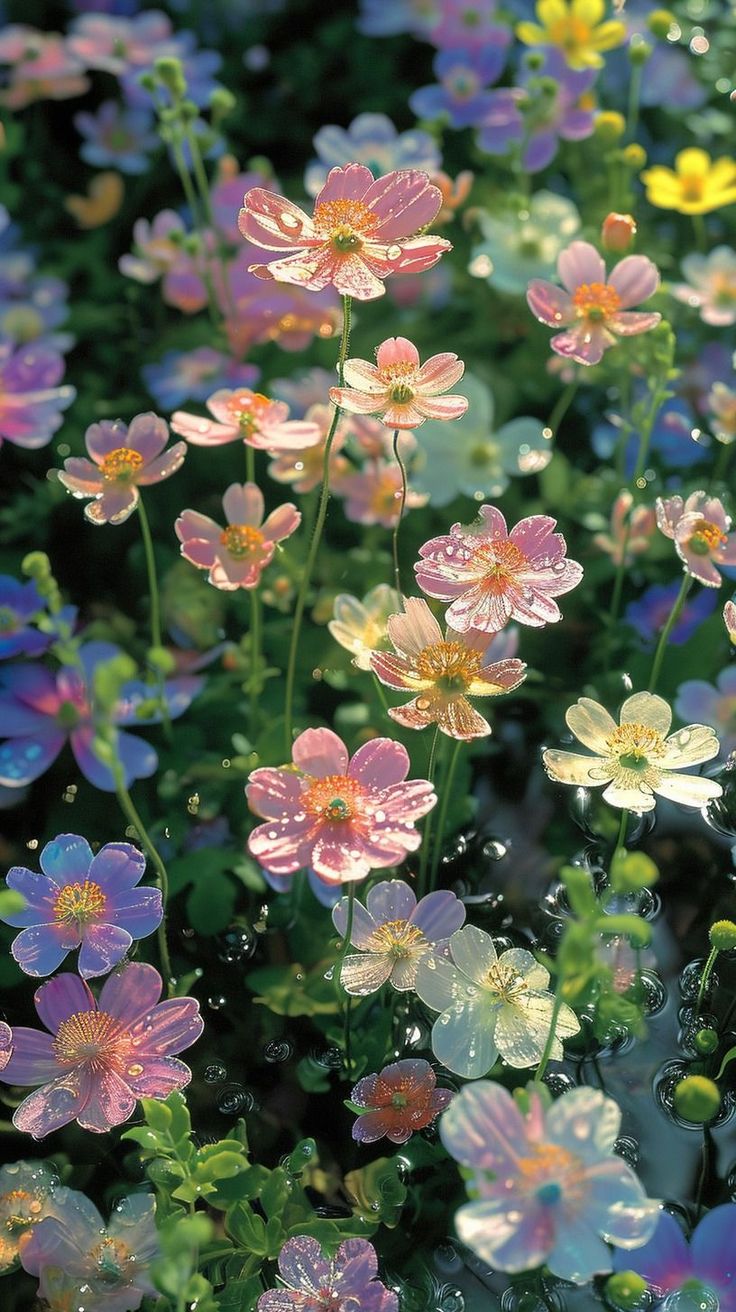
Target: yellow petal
552, 11
607, 36
591, 724
722, 173
693, 161
589, 11
105, 197
531, 34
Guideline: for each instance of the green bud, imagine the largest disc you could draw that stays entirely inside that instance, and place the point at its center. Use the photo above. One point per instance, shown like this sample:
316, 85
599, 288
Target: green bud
109, 678
722, 935
639, 50
191, 244
697, 1099
222, 103
610, 127
145, 709
660, 23
37, 565
625, 1289
635, 156
147, 81
161, 660
188, 111
706, 1041
632, 871
170, 71
534, 60
259, 164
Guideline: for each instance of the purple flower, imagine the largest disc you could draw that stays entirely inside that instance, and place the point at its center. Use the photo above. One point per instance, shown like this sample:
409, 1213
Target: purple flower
467, 25
122, 458
81, 901
705, 703
704, 1268
314, 1283
31, 305
31, 403
648, 615
116, 137
372, 140
199, 68
99, 1058
41, 711
393, 932
417, 17
563, 112
462, 77
19, 602
76, 1255
181, 376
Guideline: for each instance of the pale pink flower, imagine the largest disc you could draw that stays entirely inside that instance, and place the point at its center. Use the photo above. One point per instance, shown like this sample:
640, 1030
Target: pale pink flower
699, 528
342, 817
372, 439
303, 468
630, 532
250, 417
44, 67
710, 285
722, 407
442, 672
403, 392
123, 459
373, 494
729, 619
492, 576
236, 556
594, 310
360, 232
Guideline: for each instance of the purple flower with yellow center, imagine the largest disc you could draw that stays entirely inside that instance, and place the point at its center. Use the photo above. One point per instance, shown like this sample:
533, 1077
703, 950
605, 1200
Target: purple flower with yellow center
31, 402
313, 1283
122, 460
552, 104
701, 1272
181, 376
19, 603
25, 1199
81, 901
116, 137
40, 712
98, 1058
462, 78
393, 932
713, 704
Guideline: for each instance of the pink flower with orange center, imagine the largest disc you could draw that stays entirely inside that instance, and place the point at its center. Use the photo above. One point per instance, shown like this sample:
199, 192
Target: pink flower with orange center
398, 1100
123, 459
699, 528
303, 468
342, 817
373, 494
360, 233
492, 576
442, 671
594, 310
237, 555
398, 388
250, 417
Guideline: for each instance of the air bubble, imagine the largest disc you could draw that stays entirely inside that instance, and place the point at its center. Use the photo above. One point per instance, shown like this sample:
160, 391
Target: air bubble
216, 1073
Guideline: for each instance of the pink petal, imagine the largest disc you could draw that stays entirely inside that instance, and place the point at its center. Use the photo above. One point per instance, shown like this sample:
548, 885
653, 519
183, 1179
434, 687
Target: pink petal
281, 523
273, 222
164, 466
81, 477
363, 923
417, 255
110, 1102
380, 763
203, 432
294, 435
148, 435
484, 1129
170, 1027
628, 323
61, 998
580, 263
395, 672
283, 850
334, 860
535, 536
243, 504
635, 279
101, 439
191, 525
585, 345
355, 402
441, 407
407, 802
319, 752
114, 506
348, 183
548, 303
200, 553
392, 899
50, 1107
404, 201
410, 716
363, 376
129, 994
33, 1060
273, 793
160, 1076
397, 350
439, 373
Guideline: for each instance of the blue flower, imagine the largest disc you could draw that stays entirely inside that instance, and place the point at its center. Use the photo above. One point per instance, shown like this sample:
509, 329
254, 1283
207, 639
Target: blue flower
181, 376
372, 140
460, 92
704, 1268
116, 137
674, 439
19, 603
649, 614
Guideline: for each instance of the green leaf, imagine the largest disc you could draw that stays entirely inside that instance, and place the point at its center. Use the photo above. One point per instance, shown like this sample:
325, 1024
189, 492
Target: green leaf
211, 903
247, 1229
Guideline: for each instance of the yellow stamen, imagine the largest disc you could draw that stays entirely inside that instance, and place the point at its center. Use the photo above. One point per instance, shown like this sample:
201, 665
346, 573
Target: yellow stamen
241, 540
92, 1037
451, 666
397, 937
80, 902
596, 301
336, 798
121, 465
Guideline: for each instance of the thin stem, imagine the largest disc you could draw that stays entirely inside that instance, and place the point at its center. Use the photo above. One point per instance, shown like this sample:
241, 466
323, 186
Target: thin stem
427, 835
151, 572
701, 233
186, 181
721, 462
685, 587
128, 809
397, 525
301, 599
439, 834
348, 997
255, 621
564, 401
707, 969
620, 837
381, 693
632, 115
550, 1039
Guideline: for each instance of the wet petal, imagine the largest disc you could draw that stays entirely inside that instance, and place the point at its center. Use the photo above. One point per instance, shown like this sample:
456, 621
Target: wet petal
60, 998
380, 763
591, 723
319, 752
66, 859
103, 946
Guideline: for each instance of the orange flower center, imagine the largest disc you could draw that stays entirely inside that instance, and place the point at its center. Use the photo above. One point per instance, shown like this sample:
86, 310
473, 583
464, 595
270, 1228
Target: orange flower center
91, 1037
549, 1172
247, 409
451, 666
19, 1209
335, 798
596, 301
121, 465
344, 223
80, 902
693, 186
241, 540
396, 937
502, 560
706, 538
570, 34
111, 1257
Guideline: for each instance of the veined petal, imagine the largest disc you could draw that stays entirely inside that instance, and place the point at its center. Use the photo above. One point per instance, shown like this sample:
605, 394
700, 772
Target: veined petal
570, 768
463, 1039
646, 708
690, 746
364, 377
591, 724
688, 789
364, 973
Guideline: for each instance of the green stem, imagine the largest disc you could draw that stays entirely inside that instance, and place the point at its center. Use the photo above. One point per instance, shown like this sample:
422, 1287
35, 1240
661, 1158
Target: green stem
128, 809
632, 115
619, 845
564, 401
301, 599
255, 621
402, 506
381, 693
721, 462
550, 1040
439, 835
427, 835
685, 587
707, 969
203, 186
348, 997
191, 199
701, 233
151, 572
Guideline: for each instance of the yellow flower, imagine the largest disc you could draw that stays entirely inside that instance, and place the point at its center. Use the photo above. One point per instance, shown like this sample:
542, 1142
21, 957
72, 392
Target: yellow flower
696, 185
575, 27
104, 198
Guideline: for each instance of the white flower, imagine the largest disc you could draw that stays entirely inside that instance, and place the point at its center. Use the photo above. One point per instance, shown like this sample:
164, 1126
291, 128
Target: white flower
635, 758
489, 1005
520, 246
362, 626
710, 285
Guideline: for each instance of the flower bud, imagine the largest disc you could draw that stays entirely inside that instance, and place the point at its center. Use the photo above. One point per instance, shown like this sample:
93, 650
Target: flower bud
660, 23
161, 660
722, 935
171, 72
639, 50
729, 619
625, 1289
222, 103
610, 127
697, 1099
618, 232
706, 1042
635, 156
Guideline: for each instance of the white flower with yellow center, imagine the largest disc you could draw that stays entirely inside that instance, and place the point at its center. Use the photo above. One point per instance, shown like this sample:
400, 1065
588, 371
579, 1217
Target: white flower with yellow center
361, 627
490, 1006
636, 758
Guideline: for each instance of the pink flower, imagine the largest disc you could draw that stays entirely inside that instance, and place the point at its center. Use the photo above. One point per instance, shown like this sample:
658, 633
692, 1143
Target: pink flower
699, 528
342, 817
440, 671
124, 460
400, 390
242, 415
594, 311
255, 311
236, 556
624, 541
309, 1282
303, 469
492, 576
360, 232
400, 1099
373, 494
44, 67
100, 1058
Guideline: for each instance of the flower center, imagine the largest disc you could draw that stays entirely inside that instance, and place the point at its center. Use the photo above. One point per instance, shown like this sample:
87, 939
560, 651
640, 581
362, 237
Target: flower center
634, 745
344, 223
401, 394
19, 1209
398, 938
571, 34
8, 620
335, 798
399, 1100
90, 1038
502, 560
706, 538
549, 1172
67, 716
241, 540
451, 666
462, 83
111, 1258
506, 982
121, 465
482, 454
386, 495
248, 409
693, 186
596, 301
724, 290
80, 902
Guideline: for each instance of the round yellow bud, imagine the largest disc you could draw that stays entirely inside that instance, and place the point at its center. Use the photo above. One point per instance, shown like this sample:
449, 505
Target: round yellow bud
610, 126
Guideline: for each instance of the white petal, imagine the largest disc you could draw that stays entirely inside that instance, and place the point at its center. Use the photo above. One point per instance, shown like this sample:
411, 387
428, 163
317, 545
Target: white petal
462, 1039
646, 708
690, 746
591, 723
688, 789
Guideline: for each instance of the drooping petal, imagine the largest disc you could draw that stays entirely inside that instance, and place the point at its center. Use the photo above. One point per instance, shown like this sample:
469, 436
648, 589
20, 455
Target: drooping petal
103, 946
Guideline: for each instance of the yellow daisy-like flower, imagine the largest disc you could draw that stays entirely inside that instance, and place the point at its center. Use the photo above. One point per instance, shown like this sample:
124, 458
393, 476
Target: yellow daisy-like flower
575, 28
636, 758
696, 185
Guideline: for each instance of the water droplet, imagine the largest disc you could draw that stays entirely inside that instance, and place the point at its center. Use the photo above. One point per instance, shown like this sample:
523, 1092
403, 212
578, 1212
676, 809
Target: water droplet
215, 1073
235, 1100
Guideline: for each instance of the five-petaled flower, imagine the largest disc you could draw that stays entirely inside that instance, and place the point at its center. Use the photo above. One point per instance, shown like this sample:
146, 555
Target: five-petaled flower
696, 185
81, 901
343, 817
491, 576
243, 415
574, 27
442, 672
490, 1005
393, 932
594, 309
123, 459
549, 1187
360, 233
699, 528
237, 555
702, 1269
398, 1100
635, 758
312, 1281
100, 1057
399, 389
26, 1190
